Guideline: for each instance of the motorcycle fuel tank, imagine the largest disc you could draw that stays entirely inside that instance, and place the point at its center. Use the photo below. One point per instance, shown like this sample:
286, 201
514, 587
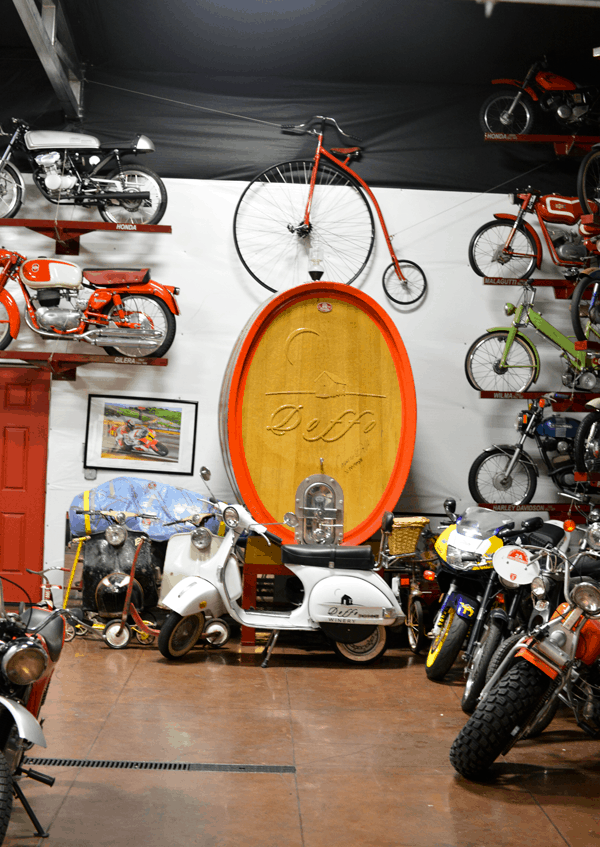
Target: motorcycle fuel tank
45, 138
50, 273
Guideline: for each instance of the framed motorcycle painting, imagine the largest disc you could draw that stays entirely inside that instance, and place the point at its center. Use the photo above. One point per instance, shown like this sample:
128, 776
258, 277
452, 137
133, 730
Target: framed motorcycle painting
139, 434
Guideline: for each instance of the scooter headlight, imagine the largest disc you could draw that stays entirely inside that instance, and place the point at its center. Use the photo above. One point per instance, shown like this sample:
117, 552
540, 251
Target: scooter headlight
115, 535
593, 536
231, 517
24, 662
587, 597
201, 538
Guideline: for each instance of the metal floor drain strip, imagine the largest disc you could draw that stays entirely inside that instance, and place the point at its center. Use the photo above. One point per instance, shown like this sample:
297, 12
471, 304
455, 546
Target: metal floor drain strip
160, 766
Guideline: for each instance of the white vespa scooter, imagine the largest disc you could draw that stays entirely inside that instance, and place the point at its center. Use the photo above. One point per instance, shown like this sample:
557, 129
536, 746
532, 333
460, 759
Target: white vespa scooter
341, 593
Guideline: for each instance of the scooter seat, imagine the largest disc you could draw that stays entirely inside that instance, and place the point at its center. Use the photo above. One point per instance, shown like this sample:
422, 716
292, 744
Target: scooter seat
319, 556
117, 276
52, 633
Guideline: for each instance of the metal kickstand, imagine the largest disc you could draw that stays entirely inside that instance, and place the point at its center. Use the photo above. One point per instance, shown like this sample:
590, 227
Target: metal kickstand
266, 653
39, 829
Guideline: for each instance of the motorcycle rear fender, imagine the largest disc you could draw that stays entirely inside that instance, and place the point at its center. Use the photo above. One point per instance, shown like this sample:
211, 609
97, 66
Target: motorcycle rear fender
505, 216
163, 292
192, 595
509, 449
14, 318
527, 341
27, 726
517, 84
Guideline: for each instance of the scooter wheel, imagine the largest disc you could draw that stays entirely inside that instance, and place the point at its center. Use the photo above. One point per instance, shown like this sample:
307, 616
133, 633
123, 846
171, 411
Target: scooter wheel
115, 639
217, 632
179, 634
366, 651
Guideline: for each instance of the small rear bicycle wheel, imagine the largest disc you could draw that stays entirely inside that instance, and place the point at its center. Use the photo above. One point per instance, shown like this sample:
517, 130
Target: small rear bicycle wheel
273, 241
407, 290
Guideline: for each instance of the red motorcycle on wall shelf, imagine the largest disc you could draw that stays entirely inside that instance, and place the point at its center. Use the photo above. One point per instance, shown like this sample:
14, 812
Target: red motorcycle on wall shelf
510, 248
122, 310
512, 108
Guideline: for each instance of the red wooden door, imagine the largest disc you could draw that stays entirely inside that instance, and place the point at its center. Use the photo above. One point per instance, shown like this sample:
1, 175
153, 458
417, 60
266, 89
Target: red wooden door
24, 407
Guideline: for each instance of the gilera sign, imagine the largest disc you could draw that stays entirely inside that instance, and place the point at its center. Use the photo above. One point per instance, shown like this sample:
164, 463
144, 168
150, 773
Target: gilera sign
319, 373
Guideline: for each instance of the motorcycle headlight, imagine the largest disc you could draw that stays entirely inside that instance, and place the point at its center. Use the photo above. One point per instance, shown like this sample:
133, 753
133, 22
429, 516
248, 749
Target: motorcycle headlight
115, 535
231, 517
509, 309
587, 597
201, 538
539, 589
593, 536
24, 662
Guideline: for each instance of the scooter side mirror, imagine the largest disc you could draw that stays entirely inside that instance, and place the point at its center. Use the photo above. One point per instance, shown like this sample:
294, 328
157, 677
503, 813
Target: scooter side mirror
205, 473
387, 523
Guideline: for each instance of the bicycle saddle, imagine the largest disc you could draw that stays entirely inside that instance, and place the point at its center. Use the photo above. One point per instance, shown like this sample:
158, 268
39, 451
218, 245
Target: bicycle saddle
346, 151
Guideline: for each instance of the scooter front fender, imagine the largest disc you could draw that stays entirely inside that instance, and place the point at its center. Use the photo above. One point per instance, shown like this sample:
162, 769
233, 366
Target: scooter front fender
195, 594
14, 318
526, 341
27, 726
505, 216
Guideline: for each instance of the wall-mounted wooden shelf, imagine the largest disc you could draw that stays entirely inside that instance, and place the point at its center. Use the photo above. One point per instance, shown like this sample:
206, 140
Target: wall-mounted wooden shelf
563, 144
565, 403
64, 365
66, 234
563, 288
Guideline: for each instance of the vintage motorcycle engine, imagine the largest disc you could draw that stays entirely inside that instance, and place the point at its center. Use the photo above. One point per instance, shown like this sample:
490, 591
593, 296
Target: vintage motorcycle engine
54, 180
51, 316
568, 245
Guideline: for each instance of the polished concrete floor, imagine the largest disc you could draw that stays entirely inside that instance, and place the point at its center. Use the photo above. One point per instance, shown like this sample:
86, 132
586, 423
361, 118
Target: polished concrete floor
359, 756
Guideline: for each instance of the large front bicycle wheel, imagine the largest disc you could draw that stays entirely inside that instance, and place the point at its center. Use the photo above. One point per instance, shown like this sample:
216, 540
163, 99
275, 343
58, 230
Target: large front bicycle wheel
276, 245
588, 182
586, 447
489, 256
489, 483
483, 363
585, 309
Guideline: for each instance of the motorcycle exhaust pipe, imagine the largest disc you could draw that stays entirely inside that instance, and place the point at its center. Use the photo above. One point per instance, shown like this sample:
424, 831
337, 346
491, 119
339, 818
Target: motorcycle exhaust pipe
121, 340
115, 195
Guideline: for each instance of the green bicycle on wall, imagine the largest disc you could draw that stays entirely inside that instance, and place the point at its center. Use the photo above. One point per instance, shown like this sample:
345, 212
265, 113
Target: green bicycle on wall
505, 359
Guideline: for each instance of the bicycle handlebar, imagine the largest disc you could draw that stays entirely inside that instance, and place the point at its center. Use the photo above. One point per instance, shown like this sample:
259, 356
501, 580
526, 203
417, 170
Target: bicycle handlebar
308, 126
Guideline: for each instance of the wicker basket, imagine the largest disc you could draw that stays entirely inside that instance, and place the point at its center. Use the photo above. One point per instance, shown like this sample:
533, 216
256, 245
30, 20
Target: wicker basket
405, 534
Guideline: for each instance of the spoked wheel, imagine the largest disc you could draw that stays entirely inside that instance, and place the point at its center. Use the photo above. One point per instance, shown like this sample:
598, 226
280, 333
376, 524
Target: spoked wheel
144, 637
217, 632
410, 288
500, 113
273, 241
133, 179
5, 336
143, 312
483, 368
179, 634
115, 639
415, 623
366, 651
11, 193
585, 310
586, 448
488, 482
588, 183
489, 255
69, 632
